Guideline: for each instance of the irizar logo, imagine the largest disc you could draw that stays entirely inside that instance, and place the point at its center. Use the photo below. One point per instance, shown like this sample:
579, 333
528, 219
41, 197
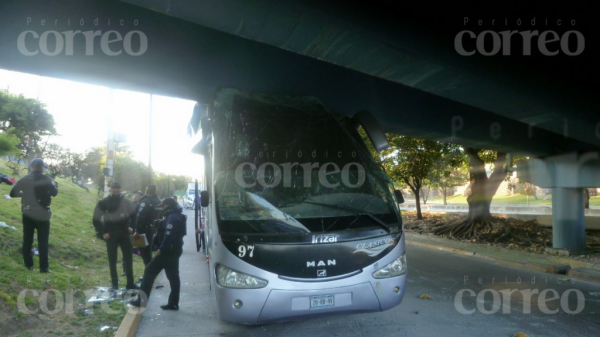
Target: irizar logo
328, 238
320, 263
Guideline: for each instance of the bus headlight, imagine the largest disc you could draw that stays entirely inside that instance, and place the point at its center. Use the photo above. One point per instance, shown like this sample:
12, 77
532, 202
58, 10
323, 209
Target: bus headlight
230, 278
395, 268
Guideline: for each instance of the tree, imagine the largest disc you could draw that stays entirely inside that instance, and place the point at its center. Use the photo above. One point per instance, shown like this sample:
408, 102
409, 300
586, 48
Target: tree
425, 191
28, 120
94, 161
529, 189
54, 155
131, 174
179, 183
483, 189
79, 168
8, 144
411, 159
586, 198
449, 171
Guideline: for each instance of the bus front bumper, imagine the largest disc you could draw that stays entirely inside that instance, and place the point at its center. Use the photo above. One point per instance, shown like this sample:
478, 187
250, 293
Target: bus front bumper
273, 305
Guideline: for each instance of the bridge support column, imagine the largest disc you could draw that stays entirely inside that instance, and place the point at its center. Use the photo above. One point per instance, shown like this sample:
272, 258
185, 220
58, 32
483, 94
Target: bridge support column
568, 219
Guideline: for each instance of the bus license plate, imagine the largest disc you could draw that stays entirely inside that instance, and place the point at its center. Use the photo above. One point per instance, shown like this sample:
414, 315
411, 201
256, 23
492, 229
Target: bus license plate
321, 302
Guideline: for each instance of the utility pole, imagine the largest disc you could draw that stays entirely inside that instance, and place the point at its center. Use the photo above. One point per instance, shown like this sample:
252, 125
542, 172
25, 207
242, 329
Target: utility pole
111, 156
150, 142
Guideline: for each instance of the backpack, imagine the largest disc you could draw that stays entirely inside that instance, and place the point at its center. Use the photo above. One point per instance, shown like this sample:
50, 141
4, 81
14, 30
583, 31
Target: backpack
184, 221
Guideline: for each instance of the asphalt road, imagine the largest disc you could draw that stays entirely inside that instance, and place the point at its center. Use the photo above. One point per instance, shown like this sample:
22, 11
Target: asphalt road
448, 311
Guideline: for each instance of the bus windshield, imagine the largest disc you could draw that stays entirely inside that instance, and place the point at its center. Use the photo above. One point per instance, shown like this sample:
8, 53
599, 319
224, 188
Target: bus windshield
291, 167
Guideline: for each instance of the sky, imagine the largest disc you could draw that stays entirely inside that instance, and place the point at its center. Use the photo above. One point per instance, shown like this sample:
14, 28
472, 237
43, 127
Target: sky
82, 114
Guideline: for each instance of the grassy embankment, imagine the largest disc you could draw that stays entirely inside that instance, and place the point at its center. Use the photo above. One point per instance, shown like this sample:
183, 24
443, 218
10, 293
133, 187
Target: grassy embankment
78, 262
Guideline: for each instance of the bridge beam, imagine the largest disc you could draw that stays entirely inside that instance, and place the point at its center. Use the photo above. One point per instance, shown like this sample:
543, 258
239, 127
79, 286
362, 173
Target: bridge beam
567, 175
568, 219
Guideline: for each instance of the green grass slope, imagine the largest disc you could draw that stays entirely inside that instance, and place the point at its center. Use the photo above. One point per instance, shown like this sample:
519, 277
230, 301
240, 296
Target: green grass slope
78, 261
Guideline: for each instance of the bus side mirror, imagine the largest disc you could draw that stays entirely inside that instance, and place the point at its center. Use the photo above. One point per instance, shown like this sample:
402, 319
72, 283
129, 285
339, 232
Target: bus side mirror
203, 146
372, 128
399, 196
204, 198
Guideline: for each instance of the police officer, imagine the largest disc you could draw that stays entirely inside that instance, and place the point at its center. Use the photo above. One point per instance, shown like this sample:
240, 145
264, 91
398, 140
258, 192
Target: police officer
111, 219
136, 196
35, 191
170, 241
146, 213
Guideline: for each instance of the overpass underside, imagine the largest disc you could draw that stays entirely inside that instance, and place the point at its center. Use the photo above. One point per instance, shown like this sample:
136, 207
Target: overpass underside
398, 61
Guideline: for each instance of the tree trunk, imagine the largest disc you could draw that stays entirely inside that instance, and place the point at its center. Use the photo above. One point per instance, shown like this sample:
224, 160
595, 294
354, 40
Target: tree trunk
424, 195
479, 207
586, 198
444, 192
483, 190
417, 203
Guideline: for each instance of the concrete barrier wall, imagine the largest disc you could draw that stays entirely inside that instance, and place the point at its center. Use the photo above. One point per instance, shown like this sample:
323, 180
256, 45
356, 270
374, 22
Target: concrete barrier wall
543, 214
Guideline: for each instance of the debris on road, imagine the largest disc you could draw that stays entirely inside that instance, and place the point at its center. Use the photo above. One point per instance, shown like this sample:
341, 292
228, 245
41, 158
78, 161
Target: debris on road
107, 294
3, 224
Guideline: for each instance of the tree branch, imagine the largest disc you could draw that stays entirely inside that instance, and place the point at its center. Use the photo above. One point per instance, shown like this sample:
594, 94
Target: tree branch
407, 181
500, 170
473, 154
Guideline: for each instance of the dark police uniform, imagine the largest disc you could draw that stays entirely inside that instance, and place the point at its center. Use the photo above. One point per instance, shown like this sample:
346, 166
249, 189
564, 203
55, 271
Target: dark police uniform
113, 215
35, 191
146, 213
170, 241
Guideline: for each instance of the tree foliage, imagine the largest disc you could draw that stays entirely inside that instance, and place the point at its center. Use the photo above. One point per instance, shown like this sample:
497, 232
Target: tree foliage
167, 185
8, 144
131, 174
450, 170
28, 120
411, 160
79, 168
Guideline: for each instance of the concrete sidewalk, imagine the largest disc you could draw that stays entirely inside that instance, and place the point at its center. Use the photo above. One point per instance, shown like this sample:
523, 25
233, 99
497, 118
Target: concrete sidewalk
195, 294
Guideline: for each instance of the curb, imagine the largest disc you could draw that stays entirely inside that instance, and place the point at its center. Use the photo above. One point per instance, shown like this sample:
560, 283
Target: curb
585, 274
130, 323
132, 320
550, 268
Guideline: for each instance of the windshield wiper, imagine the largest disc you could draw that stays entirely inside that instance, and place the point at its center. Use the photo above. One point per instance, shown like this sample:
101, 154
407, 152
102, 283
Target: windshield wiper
358, 212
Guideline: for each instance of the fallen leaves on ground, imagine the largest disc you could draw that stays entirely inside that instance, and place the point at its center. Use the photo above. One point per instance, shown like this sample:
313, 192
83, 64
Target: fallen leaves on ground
539, 236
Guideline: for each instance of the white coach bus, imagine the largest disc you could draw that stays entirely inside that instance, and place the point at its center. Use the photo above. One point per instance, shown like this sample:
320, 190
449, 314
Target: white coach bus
301, 221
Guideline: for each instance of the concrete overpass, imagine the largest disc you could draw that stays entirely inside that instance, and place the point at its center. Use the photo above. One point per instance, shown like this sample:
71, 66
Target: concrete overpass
400, 61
